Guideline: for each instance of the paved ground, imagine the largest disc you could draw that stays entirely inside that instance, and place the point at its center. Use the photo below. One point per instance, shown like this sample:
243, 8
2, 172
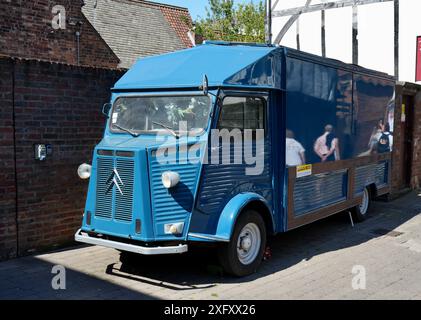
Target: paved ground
313, 262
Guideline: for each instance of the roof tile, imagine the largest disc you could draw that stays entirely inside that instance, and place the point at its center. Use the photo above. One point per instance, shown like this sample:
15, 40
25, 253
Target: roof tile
136, 28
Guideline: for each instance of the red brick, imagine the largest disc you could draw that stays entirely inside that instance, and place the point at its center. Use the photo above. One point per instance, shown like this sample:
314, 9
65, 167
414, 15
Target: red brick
26, 32
50, 196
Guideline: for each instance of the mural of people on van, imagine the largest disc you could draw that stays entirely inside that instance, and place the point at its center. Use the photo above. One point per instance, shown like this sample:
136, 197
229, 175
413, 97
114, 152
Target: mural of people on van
374, 139
374, 116
327, 145
295, 153
385, 140
334, 114
381, 140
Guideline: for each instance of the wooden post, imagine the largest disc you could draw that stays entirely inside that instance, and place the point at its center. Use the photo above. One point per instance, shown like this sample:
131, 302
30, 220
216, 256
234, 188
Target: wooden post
275, 4
289, 23
294, 13
323, 33
355, 34
268, 22
324, 6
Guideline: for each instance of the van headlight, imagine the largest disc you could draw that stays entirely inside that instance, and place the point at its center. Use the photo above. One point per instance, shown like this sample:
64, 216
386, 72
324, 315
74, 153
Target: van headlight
174, 228
170, 179
84, 171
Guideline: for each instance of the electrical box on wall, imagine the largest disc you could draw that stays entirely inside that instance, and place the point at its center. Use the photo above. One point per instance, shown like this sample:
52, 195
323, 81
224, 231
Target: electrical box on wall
42, 151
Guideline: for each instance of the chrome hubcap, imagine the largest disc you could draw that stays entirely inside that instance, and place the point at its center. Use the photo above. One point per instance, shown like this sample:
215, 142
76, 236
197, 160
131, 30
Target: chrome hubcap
248, 244
364, 203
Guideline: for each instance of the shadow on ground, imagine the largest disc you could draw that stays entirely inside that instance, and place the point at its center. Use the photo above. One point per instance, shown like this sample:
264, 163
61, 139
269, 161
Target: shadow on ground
198, 268
30, 278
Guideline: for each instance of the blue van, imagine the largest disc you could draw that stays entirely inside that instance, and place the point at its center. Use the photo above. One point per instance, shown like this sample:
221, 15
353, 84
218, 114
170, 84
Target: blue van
230, 143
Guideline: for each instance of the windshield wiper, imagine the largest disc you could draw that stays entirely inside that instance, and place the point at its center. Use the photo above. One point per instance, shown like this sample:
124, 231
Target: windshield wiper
134, 134
169, 129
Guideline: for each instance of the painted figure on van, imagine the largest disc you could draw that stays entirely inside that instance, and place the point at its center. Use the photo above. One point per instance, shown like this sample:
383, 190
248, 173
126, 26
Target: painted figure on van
375, 136
327, 145
385, 140
295, 153
374, 140
381, 140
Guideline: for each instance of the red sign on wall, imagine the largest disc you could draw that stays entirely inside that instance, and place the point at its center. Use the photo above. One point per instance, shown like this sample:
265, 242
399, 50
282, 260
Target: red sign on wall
418, 67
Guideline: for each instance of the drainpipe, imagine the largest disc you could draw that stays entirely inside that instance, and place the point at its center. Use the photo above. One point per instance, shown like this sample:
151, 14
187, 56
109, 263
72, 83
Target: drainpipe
77, 34
78, 47
15, 157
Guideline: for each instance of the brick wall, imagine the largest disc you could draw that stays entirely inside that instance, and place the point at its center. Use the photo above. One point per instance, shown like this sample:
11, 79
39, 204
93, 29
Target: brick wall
26, 31
54, 104
416, 156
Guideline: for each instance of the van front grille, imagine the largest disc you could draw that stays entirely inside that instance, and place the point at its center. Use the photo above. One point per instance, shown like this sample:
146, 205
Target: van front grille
110, 202
124, 203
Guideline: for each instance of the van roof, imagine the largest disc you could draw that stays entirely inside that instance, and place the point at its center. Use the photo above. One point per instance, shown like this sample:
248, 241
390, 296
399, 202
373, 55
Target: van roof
234, 65
226, 64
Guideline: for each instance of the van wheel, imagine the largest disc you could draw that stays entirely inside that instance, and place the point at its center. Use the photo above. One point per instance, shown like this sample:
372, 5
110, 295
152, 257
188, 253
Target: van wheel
361, 211
244, 253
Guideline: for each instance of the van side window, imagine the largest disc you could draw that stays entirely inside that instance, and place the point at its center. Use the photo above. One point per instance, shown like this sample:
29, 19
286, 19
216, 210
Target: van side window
242, 113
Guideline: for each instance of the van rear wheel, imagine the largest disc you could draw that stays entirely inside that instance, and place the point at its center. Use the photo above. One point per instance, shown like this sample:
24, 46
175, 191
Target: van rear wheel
244, 253
361, 211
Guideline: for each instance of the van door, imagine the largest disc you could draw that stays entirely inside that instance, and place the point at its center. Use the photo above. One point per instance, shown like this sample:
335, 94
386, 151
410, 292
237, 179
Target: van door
239, 154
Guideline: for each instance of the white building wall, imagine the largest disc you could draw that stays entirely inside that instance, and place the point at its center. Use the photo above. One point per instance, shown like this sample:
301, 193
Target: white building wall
375, 34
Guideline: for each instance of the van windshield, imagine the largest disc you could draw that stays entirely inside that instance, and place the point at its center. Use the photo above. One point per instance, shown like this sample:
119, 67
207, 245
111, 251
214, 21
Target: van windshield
176, 114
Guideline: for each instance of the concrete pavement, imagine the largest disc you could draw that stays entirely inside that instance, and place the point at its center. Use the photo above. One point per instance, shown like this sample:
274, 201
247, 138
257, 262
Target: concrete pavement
319, 261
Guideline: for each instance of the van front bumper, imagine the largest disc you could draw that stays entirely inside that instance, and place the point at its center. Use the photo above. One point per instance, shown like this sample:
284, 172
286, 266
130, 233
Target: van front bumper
85, 238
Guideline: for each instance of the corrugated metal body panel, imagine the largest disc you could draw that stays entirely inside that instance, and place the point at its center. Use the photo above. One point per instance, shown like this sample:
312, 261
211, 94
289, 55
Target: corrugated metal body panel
318, 191
374, 173
173, 205
221, 181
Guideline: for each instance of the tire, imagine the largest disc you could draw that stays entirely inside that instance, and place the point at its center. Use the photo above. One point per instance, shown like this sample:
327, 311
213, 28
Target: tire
361, 211
250, 232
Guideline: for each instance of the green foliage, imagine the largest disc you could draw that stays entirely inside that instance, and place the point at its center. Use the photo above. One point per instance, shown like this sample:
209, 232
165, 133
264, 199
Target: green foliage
241, 23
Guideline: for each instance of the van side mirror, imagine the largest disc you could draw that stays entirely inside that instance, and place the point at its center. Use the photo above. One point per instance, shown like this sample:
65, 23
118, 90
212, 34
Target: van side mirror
205, 85
106, 108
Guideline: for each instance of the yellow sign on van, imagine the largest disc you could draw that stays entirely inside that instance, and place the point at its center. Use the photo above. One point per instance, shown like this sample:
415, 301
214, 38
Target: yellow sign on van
304, 170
